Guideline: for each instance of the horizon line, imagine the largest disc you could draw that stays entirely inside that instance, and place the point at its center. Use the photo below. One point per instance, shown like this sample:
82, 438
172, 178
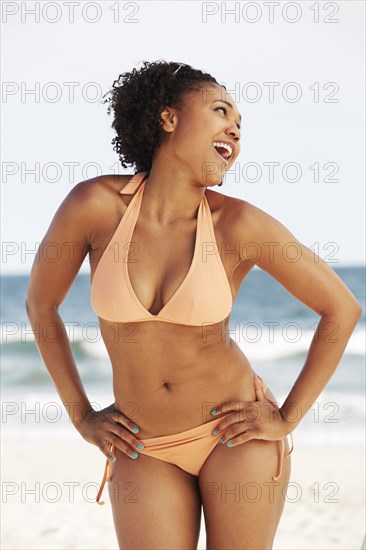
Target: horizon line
331, 264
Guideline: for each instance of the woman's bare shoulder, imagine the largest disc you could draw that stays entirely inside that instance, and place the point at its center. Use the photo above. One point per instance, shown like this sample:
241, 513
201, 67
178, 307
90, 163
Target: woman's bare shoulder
244, 217
93, 197
98, 188
226, 202
233, 211
91, 203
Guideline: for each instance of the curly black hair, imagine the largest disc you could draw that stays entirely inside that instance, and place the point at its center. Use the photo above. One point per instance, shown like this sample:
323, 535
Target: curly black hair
138, 97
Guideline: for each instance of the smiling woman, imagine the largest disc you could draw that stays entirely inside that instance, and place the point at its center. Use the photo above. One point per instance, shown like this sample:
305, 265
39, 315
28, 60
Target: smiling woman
163, 286
138, 103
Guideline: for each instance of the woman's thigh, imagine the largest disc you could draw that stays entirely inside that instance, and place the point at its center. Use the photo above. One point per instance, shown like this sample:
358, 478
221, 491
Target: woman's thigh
242, 504
155, 504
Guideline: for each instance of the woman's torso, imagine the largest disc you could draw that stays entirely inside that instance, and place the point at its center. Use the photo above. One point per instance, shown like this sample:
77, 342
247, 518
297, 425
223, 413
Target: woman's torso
167, 377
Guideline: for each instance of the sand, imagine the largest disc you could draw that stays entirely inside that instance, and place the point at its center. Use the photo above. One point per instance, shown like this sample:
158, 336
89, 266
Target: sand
53, 516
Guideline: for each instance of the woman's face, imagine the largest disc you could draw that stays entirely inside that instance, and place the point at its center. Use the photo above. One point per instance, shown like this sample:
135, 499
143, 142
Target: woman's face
207, 119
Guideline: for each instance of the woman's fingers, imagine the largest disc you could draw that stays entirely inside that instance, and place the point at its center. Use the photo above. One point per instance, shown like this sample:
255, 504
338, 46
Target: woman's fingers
120, 437
122, 429
120, 418
123, 441
109, 429
107, 449
241, 410
117, 443
238, 406
242, 436
258, 388
265, 426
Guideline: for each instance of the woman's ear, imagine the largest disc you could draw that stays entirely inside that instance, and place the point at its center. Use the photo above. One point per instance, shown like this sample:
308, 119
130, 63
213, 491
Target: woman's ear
168, 119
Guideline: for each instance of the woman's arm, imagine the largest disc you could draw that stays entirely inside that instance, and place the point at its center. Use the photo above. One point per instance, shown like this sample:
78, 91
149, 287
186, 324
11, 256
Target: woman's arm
315, 284
58, 260
71, 235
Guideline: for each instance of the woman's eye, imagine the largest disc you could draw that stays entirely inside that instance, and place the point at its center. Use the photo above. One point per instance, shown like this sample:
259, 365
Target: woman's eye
225, 111
222, 108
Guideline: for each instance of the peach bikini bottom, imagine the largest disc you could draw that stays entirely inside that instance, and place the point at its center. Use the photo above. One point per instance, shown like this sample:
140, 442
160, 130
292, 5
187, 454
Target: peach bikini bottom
189, 449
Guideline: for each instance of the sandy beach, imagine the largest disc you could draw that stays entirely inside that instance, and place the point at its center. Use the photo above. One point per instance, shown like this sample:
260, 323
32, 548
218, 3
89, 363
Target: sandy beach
48, 499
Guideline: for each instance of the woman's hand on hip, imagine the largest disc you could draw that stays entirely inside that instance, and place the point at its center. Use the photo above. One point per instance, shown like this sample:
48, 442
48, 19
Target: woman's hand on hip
250, 420
110, 427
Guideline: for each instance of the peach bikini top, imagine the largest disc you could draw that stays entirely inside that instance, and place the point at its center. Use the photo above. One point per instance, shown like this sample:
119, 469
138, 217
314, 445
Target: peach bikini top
204, 296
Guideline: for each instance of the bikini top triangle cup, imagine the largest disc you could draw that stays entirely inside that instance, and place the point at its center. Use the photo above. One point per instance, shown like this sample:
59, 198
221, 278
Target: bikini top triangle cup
203, 298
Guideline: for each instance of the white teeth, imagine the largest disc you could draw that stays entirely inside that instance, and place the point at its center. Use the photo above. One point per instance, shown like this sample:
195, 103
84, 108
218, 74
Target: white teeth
225, 146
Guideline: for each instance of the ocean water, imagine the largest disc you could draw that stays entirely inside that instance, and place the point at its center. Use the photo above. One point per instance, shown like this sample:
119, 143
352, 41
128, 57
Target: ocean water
272, 328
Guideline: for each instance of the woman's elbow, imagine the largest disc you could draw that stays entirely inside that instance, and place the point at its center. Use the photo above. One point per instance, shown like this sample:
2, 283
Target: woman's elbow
358, 309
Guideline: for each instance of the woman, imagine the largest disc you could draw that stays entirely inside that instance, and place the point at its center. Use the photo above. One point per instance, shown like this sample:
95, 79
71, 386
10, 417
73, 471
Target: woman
191, 424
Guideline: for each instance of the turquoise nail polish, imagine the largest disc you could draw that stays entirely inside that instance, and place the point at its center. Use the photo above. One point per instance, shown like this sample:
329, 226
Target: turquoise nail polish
136, 429
229, 443
214, 432
134, 455
214, 411
140, 446
221, 440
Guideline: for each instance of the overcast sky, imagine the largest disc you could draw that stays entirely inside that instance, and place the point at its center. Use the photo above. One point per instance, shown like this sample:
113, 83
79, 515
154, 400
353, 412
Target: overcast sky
296, 71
